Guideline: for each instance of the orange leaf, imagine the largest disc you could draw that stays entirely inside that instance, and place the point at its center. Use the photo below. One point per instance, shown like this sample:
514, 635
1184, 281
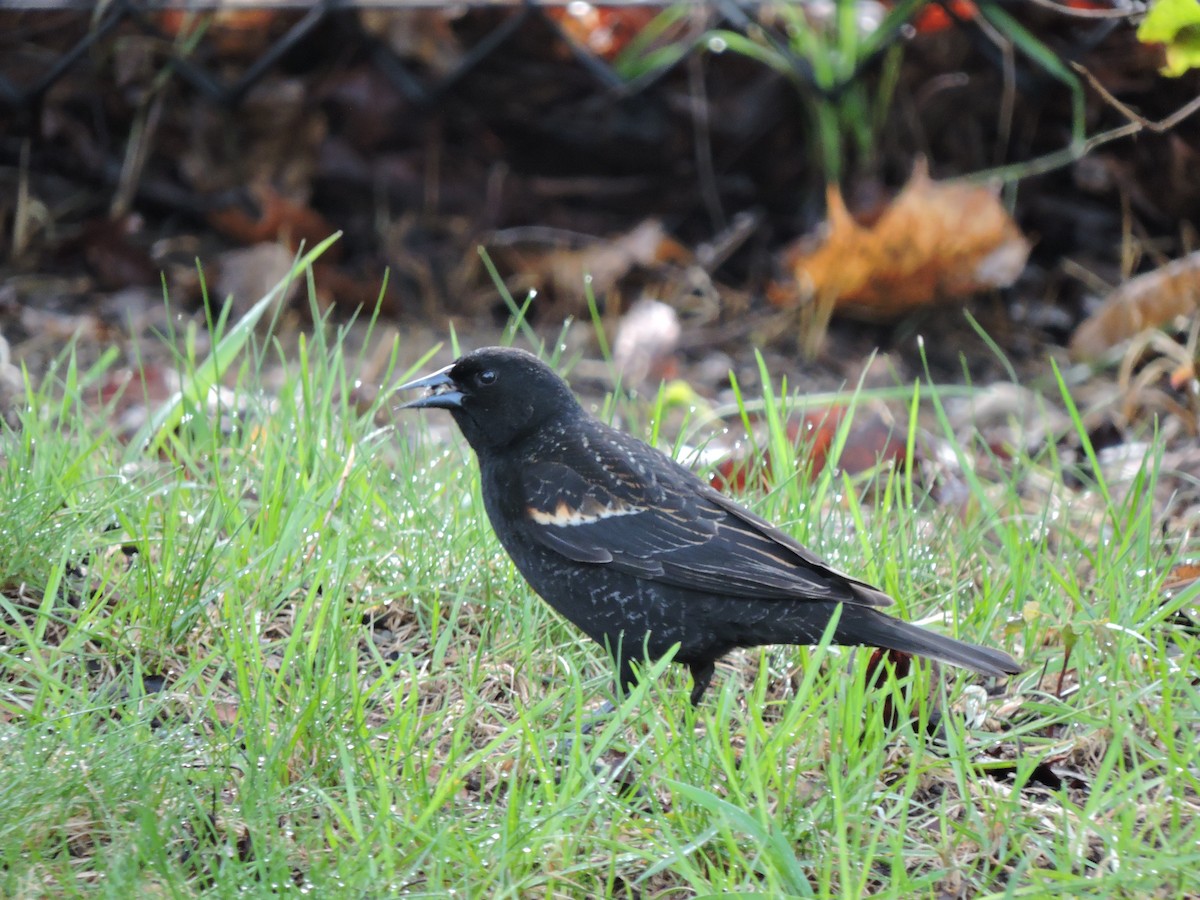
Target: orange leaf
934, 18
1182, 576
937, 241
234, 32
278, 219
604, 30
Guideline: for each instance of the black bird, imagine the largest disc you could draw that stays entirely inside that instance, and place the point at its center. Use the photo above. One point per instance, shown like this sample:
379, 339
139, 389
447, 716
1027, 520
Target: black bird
635, 549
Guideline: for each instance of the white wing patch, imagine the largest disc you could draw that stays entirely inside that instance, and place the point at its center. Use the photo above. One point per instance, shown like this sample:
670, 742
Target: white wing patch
564, 515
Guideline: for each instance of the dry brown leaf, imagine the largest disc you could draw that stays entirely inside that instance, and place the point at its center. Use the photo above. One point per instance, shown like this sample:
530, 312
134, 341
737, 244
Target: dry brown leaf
561, 271
239, 33
113, 254
63, 328
1182, 576
1147, 301
354, 291
281, 132
278, 219
610, 260
937, 241
425, 36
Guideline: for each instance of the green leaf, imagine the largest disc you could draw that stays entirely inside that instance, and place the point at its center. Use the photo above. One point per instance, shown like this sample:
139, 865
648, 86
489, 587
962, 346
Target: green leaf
1176, 24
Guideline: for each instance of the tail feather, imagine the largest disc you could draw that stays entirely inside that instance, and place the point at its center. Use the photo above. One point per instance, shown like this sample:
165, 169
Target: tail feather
859, 625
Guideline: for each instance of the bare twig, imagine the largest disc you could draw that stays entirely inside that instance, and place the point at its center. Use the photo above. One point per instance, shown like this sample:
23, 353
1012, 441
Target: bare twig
1076, 151
1157, 127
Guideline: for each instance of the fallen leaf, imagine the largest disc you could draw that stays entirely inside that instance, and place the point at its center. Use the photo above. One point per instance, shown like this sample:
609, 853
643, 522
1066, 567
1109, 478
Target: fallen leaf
424, 36
280, 137
936, 242
63, 328
934, 17
1182, 576
355, 292
608, 260
276, 219
561, 271
112, 254
602, 30
873, 438
1147, 301
241, 33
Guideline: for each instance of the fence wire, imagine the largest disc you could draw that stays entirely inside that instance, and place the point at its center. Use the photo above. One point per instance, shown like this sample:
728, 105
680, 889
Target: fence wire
41, 41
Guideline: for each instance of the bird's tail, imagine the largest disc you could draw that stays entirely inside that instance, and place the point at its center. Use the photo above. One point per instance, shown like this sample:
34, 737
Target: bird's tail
860, 625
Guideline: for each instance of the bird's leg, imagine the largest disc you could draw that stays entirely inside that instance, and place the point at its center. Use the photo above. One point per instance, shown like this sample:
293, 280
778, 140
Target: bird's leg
591, 721
626, 679
597, 718
702, 675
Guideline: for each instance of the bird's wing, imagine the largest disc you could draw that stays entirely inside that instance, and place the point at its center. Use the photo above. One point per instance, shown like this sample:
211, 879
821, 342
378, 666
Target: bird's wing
633, 509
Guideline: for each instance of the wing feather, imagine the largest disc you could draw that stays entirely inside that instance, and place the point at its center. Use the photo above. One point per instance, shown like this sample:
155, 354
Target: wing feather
625, 505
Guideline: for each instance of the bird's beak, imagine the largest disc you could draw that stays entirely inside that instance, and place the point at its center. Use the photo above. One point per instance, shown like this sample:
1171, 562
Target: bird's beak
444, 393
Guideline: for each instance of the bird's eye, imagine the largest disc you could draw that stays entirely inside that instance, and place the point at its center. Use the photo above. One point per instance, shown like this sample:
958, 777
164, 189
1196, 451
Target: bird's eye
487, 376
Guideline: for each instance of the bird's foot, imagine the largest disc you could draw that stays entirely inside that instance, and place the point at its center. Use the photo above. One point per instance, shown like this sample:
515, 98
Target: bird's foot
612, 765
562, 751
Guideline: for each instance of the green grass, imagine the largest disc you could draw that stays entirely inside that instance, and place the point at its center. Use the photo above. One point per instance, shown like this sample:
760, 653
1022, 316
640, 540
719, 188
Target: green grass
278, 649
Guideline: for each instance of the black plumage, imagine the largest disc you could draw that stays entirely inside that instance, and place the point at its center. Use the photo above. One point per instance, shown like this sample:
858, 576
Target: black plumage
637, 551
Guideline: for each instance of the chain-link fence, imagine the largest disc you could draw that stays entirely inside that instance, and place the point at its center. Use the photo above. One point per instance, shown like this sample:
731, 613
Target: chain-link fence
44, 40
513, 113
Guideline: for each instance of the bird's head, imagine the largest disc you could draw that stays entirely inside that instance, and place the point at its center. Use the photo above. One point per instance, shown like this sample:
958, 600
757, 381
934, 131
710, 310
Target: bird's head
497, 395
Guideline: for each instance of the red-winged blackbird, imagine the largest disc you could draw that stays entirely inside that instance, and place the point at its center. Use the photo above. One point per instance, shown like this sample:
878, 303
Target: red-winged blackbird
639, 552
